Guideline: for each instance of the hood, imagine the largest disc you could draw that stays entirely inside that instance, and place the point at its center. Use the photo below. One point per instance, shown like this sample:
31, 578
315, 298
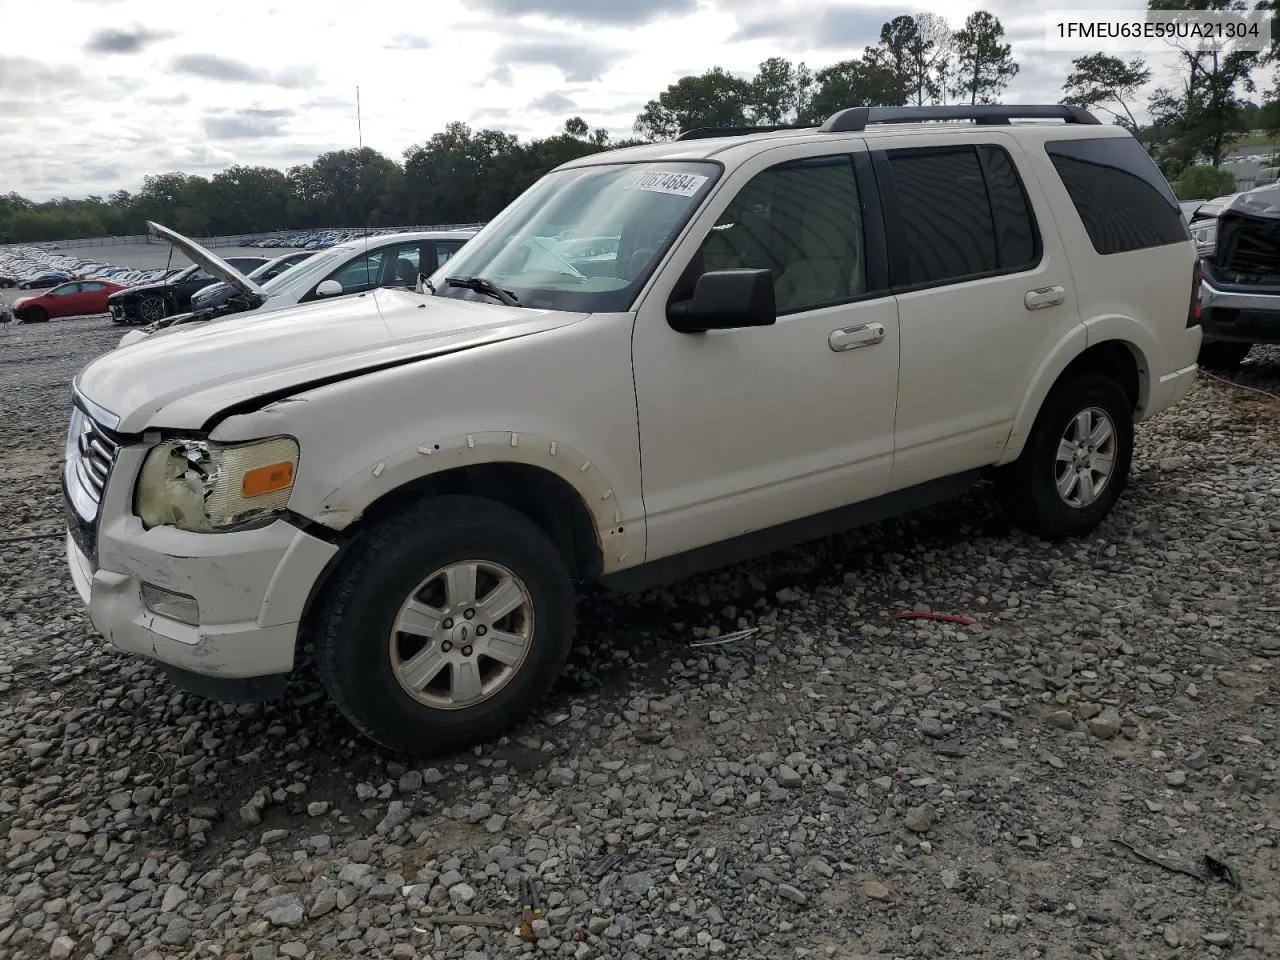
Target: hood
141, 288
183, 382
1261, 202
214, 264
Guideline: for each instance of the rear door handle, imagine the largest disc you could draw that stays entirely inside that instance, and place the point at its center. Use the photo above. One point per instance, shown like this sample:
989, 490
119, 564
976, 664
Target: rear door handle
1044, 297
861, 335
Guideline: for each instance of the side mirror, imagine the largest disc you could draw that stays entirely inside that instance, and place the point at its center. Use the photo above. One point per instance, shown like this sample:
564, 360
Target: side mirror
328, 288
726, 300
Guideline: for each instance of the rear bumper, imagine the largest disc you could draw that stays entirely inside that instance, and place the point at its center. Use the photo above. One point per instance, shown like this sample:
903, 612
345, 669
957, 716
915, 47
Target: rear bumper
1171, 389
1239, 316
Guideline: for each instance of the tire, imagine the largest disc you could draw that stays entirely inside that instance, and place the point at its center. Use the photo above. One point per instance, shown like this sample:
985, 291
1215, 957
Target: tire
1223, 355
1028, 487
151, 309
357, 646
35, 315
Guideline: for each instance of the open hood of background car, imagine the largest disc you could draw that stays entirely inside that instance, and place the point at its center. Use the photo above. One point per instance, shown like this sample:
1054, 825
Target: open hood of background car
211, 262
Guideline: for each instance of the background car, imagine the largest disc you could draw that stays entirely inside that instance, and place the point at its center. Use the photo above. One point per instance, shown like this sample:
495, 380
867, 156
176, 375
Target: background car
365, 263
218, 295
47, 278
76, 299
148, 303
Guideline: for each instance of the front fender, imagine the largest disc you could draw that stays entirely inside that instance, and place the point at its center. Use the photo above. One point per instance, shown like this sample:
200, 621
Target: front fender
621, 539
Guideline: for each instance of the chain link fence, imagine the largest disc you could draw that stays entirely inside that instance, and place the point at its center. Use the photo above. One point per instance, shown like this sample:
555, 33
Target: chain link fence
243, 239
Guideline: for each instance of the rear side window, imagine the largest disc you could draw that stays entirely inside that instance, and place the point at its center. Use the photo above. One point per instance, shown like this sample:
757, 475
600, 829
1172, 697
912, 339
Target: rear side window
963, 213
1122, 197
1016, 237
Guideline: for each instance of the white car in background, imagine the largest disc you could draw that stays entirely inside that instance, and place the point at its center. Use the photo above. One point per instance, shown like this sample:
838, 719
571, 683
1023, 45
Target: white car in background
367, 263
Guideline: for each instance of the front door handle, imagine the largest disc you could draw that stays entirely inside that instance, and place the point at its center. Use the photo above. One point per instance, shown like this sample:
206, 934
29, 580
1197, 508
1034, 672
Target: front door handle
1044, 297
861, 335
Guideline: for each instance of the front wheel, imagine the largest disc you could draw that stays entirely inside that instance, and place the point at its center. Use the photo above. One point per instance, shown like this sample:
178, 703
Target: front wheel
445, 625
151, 309
35, 315
1222, 354
1076, 461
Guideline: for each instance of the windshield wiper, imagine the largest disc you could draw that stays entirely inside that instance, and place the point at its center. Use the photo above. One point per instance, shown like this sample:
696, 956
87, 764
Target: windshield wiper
485, 286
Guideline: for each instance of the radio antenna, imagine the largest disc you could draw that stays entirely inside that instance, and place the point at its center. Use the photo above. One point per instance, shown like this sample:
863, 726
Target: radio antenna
368, 269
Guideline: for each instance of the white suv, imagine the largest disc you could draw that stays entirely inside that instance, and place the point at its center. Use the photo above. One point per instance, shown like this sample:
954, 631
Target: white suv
791, 331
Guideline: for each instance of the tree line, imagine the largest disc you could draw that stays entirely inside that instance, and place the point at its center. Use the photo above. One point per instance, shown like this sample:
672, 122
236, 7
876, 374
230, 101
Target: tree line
465, 175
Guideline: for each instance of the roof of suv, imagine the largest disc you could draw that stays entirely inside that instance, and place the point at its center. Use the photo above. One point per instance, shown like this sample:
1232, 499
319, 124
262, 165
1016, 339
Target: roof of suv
871, 123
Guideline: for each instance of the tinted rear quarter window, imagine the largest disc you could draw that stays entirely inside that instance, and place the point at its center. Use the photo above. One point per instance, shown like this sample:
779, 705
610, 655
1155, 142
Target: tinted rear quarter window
1122, 198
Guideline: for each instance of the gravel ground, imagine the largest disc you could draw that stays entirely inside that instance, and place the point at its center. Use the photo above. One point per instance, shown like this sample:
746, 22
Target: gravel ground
837, 784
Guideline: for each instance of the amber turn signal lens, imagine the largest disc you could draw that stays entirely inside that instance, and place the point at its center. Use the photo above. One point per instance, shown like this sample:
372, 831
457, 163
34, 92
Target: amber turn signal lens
269, 479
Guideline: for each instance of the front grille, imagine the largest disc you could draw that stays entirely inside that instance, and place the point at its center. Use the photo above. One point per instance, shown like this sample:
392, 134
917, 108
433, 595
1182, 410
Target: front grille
91, 451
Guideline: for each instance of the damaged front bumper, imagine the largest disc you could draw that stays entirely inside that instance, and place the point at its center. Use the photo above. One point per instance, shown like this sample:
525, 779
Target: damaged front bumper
1239, 244
1238, 312
221, 613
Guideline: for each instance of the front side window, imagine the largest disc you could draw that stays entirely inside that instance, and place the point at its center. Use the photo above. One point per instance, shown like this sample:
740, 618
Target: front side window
802, 221
66, 290
534, 249
295, 283
362, 273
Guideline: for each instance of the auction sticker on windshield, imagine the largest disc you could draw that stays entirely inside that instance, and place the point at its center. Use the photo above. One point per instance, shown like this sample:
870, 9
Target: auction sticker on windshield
677, 184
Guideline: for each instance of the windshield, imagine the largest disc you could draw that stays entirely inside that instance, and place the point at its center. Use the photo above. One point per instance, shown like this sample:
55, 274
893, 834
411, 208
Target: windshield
301, 277
583, 239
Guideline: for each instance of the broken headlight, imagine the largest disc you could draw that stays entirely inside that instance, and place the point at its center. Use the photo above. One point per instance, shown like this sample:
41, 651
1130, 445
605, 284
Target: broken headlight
1205, 234
207, 487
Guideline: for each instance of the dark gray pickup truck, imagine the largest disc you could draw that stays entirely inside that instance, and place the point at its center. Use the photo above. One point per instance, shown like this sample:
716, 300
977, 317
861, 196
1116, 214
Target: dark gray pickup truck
1238, 238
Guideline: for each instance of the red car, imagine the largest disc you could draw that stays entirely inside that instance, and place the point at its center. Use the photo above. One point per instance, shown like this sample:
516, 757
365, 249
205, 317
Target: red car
75, 299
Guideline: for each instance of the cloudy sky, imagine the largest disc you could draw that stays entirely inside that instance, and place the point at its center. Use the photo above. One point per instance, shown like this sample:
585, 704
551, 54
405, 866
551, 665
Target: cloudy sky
94, 94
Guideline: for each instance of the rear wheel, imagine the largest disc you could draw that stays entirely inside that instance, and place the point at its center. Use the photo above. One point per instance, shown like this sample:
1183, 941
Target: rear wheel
151, 309
445, 625
1223, 355
1076, 461
35, 315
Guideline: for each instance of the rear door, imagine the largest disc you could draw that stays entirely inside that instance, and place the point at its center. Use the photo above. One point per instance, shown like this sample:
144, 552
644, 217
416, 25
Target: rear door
983, 289
93, 296
444, 250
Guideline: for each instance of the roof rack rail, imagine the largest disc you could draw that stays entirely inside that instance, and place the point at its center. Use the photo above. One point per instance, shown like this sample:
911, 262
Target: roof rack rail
706, 133
856, 119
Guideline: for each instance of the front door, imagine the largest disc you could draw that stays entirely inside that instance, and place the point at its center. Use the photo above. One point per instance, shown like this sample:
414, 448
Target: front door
64, 300
741, 430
